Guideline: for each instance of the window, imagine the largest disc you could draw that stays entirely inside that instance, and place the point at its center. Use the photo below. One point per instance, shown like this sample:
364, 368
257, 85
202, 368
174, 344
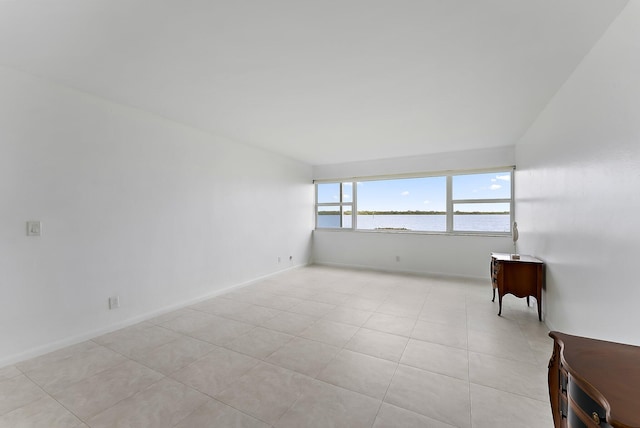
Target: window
482, 202
417, 204
455, 203
334, 205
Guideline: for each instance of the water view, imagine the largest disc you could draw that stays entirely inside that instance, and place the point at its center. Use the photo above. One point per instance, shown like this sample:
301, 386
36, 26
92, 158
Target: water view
422, 223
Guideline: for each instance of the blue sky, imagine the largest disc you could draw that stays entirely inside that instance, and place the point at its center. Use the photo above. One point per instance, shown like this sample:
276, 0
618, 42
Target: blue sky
424, 194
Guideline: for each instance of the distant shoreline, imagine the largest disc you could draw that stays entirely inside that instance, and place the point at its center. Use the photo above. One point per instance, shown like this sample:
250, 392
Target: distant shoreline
415, 213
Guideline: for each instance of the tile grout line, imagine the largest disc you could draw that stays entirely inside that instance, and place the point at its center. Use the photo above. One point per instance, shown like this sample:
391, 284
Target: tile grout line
384, 397
361, 293
466, 313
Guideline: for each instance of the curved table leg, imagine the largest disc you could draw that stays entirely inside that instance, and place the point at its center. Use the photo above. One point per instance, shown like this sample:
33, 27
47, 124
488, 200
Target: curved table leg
500, 304
539, 309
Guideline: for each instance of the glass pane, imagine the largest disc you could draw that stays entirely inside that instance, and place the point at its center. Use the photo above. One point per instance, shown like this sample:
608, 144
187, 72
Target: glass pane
494, 185
346, 217
481, 217
328, 192
328, 217
414, 222
417, 204
347, 192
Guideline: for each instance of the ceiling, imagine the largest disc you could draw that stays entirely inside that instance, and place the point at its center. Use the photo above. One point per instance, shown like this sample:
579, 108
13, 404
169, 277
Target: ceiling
322, 81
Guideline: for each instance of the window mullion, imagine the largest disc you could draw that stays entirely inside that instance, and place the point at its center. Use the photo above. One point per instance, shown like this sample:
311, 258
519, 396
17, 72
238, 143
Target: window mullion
449, 204
481, 201
341, 205
354, 206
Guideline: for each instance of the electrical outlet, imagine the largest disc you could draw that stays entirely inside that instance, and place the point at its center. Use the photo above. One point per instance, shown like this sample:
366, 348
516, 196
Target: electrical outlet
278, 259
397, 258
114, 302
34, 228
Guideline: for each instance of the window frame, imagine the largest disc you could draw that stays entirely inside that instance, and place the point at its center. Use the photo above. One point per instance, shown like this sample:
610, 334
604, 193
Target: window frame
340, 205
450, 202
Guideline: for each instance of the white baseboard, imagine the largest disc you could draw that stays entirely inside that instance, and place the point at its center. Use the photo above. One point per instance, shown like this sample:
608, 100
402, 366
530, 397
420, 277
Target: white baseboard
407, 271
54, 346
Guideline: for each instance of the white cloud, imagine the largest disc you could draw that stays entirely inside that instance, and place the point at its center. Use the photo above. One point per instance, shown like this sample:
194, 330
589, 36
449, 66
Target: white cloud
427, 201
405, 193
495, 187
503, 177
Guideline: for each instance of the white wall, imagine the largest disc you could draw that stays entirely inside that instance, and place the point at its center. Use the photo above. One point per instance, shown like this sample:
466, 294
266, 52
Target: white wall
449, 255
456, 255
438, 162
131, 205
578, 193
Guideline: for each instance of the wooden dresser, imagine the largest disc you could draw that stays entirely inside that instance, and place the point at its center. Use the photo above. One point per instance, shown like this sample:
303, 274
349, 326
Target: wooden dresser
593, 383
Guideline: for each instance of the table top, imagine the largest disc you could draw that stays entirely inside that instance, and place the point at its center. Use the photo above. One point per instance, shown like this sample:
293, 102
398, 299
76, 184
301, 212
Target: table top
610, 369
505, 257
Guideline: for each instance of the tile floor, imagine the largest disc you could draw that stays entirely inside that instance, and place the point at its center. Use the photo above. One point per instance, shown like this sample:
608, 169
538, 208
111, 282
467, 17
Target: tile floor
312, 347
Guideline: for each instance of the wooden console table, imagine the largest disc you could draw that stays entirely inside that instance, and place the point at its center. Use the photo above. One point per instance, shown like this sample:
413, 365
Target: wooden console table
593, 383
521, 277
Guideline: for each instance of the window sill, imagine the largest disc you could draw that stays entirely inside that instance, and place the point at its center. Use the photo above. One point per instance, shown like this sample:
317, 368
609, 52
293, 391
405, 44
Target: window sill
416, 232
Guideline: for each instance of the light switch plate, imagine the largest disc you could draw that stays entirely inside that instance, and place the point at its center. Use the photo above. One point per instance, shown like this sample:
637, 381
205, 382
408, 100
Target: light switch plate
34, 228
